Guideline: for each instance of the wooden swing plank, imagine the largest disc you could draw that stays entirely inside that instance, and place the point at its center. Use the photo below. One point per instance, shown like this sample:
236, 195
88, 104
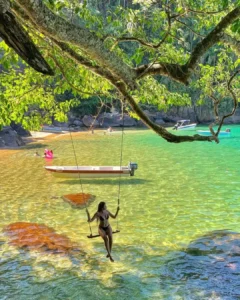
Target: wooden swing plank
97, 235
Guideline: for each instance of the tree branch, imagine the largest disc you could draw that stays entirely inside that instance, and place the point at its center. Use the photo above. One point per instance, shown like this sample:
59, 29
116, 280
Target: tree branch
104, 73
216, 104
168, 136
16, 37
213, 37
181, 73
235, 101
60, 67
205, 12
193, 31
142, 42
61, 30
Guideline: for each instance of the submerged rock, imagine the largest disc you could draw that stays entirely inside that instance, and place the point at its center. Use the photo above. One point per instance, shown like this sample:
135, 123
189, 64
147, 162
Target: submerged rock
80, 200
209, 268
35, 236
216, 242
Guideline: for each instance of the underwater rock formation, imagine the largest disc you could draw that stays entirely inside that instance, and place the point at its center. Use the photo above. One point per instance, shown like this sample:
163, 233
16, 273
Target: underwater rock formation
80, 200
35, 236
209, 268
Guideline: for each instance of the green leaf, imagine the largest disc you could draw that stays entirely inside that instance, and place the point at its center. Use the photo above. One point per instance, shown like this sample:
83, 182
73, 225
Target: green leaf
236, 26
225, 4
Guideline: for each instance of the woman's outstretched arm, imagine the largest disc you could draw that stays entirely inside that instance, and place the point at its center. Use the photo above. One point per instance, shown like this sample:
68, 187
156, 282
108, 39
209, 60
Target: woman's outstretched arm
89, 218
114, 216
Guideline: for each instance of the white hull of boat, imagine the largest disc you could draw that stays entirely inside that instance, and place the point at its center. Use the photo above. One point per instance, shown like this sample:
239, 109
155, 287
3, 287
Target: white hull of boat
187, 127
208, 133
90, 171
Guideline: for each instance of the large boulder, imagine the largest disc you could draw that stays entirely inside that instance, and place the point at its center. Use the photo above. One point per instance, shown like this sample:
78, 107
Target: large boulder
20, 130
160, 122
129, 121
116, 120
109, 119
89, 121
10, 138
77, 122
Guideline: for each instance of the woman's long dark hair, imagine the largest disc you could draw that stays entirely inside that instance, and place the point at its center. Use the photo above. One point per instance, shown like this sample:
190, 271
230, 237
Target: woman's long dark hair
101, 206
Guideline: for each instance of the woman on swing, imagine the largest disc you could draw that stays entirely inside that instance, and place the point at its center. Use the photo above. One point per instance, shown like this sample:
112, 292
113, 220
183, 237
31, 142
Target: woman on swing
104, 228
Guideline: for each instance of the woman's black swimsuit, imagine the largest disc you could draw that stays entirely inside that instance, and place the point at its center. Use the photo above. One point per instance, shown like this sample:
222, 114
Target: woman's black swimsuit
104, 228
102, 219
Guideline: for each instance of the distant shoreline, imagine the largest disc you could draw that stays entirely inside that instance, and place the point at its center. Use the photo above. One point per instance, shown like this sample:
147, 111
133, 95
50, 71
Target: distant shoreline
40, 136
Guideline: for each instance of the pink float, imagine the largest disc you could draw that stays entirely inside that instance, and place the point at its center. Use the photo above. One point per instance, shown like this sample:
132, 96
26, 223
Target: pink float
48, 154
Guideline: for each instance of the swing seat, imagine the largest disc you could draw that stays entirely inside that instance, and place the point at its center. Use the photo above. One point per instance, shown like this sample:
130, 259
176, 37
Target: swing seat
91, 236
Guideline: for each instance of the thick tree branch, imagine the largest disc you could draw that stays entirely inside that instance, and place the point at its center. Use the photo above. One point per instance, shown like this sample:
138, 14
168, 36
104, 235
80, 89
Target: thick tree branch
16, 37
73, 55
104, 73
174, 71
121, 87
61, 30
213, 37
181, 73
168, 136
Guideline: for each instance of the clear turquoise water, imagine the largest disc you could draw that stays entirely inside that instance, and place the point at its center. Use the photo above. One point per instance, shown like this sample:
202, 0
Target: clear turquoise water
179, 194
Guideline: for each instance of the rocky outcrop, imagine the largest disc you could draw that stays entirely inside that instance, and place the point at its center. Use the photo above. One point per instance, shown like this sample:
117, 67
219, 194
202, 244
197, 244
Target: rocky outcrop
9, 138
89, 121
116, 120
20, 130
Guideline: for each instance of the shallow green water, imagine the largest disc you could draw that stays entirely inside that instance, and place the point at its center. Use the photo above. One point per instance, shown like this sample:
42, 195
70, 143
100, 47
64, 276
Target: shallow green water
178, 194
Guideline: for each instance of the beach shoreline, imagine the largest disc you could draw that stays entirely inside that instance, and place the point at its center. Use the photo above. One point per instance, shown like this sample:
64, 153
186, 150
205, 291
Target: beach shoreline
44, 136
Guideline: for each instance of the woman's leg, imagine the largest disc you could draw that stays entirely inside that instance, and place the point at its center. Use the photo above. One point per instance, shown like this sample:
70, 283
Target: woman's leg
106, 242
110, 237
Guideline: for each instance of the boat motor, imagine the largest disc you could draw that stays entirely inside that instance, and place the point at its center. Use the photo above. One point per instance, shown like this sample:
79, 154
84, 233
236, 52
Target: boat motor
133, 167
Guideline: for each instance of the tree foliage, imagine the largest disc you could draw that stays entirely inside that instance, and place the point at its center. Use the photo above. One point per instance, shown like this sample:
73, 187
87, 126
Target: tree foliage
121, 49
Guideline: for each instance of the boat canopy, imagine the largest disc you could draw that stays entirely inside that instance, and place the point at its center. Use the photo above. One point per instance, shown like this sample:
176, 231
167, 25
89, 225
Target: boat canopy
184, 121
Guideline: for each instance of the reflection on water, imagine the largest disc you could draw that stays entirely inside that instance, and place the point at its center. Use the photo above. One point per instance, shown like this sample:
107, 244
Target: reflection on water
108, 181
178, 194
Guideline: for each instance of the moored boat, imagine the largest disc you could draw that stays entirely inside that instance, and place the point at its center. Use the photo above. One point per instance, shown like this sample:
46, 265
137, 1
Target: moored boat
184, 125
226, 133
92, 171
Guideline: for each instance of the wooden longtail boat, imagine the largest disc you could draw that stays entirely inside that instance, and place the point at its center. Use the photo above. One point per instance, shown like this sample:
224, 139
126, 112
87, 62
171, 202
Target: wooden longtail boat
92, 171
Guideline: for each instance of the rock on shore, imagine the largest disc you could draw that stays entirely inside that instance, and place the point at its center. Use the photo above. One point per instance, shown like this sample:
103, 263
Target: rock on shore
9, 138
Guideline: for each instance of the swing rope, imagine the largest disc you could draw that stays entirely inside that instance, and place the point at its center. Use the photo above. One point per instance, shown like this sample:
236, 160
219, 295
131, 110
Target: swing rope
95, 118
79, 175
121, 157
119, 181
